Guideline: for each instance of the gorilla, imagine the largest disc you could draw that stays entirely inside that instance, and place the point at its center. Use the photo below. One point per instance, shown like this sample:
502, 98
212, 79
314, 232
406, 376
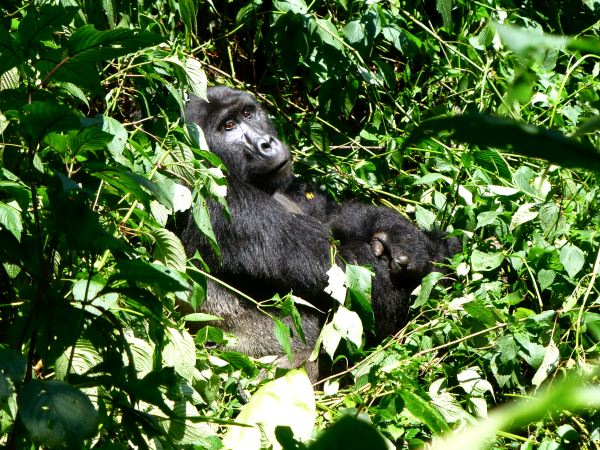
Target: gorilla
281, 230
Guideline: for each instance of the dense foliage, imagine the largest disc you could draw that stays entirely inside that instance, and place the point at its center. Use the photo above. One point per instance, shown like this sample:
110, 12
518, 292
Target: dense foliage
481, 118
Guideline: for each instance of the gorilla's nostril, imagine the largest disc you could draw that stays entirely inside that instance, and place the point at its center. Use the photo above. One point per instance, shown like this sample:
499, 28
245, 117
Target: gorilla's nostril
265, 144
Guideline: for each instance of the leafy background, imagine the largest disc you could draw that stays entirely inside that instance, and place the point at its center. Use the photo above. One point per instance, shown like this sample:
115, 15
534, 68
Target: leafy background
481, 118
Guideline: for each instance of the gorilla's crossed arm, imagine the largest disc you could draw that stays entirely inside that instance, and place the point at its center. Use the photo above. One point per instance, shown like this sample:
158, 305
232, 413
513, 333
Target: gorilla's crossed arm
279, 235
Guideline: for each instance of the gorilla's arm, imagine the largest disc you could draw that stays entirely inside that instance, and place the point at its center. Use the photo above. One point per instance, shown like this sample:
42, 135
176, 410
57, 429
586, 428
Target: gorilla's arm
410, 251
265, 243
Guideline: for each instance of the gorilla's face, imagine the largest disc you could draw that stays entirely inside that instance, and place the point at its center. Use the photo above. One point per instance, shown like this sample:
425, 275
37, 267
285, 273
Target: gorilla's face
239, 131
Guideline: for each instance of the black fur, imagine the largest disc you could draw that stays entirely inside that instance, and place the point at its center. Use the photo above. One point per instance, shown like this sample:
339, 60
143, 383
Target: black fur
279, 236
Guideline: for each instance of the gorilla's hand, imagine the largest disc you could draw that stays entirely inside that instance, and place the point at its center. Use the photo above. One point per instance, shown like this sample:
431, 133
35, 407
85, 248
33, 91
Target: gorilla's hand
397, 257
407, 258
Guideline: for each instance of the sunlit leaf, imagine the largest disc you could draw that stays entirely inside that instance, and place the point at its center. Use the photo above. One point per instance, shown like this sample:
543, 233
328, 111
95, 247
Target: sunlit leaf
10, 219
483, 262
286, 401
572, 258
169, 250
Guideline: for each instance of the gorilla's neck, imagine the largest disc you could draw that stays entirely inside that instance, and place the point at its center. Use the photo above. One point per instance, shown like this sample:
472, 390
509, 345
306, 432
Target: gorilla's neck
280, 180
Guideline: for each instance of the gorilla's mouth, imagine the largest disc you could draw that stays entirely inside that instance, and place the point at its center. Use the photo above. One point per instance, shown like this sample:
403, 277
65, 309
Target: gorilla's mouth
281, 166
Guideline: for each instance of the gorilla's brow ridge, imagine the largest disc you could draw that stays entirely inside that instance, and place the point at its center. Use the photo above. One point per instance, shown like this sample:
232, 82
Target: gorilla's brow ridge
221, 110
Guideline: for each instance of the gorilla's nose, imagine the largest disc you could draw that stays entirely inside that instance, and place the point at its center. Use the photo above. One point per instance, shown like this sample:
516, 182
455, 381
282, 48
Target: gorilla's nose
265, 144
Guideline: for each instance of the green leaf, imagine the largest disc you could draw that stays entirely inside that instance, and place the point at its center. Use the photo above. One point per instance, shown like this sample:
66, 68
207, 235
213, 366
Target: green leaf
169, 250
425, 218
350, 433
589, 126
487, 218
180, 352
130, 183
507, 349
354, 32
330, 337
572, 258
297, 6
481, 312
10, 56
348, 325
423, 411
283, 336
201, 317
196, 77
427, 285
79, 359
56, 414
329, 34
38, 26
112, 126
549, 364
358, 281
12, 364
85, 290
188, 12
149, 274
286, 401
5, 389
41, 118
289, 309
394, 35
88, 45
524, 214
525, 40
444, 7
516, 137
10, 218
483, 262
202, 219
546, 278
78, 142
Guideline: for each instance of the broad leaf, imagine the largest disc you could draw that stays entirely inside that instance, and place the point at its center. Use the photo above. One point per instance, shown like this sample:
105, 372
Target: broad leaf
155, 275
516, 137
56, 414
286, 401
572, 258
169, 250
10, 218
88, 45
483, 262
350, 433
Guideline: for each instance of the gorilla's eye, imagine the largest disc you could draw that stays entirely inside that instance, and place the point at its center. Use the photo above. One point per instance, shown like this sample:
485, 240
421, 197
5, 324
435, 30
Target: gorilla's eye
247, 112
229, 125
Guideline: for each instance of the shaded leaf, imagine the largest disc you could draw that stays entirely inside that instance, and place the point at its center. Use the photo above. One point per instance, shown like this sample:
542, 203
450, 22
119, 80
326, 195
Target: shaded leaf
155, 275
350, 433
516, 137
88, 45
56, 414
39, 25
